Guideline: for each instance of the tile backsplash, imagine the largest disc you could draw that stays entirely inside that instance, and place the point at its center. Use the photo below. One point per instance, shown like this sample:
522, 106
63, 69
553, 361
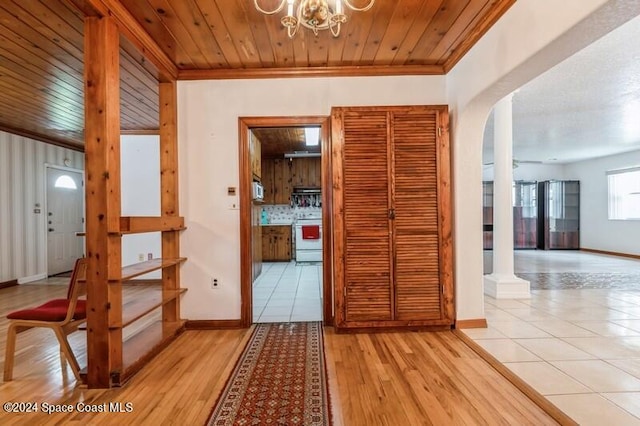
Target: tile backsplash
285, 214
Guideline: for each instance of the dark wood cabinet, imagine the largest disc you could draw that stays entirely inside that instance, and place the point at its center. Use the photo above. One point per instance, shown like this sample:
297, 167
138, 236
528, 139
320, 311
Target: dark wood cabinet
525, 214
281, 176
559, 213
487, 215
276, 180
392, 214
276, 243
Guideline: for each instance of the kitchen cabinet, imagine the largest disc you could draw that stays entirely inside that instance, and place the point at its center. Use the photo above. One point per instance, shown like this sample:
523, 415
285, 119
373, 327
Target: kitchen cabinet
255, 153
276, 243
281, 176
559, 213
306, 172
393, 258
276, 180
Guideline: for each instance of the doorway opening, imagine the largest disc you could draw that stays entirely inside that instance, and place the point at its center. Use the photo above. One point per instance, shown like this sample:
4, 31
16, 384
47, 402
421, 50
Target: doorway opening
284, 216
64, 218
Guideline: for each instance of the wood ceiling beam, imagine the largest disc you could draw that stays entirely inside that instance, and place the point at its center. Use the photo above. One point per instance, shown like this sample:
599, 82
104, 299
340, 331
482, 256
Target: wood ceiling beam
131, 29
349, 71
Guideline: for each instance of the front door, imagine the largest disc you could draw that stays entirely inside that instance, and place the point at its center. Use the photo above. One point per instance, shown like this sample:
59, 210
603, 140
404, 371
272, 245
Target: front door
65, 217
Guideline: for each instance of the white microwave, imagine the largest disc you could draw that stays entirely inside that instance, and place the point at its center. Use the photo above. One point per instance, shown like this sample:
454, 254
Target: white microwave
257, 191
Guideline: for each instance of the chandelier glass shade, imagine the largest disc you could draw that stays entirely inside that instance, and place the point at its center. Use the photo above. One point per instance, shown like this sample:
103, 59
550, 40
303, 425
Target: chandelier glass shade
314, 14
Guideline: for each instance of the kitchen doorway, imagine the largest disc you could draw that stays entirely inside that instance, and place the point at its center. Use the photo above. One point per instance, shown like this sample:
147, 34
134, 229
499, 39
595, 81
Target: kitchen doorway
280, 193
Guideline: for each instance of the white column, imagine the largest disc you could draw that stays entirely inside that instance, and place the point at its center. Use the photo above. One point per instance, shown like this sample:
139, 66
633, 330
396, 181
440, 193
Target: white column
502, 283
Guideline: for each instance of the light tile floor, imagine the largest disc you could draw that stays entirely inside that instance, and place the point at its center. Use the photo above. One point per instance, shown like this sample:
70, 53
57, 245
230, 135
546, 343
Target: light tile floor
578, 346
288, 292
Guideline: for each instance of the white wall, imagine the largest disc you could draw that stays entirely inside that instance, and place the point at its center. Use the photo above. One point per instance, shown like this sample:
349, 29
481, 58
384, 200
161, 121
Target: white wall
23, 235
208, 114
140, 181
596, 230
530, 38
531, 172
533, 36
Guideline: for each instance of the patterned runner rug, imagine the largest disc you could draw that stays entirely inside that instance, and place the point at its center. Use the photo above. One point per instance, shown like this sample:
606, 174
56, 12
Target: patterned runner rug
280, 379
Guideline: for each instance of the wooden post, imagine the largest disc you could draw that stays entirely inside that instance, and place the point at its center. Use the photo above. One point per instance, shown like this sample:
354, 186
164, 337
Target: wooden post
102, 164
169, 198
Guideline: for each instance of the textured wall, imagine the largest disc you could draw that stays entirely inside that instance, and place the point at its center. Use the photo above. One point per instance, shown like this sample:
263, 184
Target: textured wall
22, 183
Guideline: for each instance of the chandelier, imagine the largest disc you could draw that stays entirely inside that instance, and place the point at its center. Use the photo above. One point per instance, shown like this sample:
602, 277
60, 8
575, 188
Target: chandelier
314, 14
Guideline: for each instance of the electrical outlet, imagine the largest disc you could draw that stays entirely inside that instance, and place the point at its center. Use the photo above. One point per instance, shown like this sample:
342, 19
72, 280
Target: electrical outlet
214, 283
141, 257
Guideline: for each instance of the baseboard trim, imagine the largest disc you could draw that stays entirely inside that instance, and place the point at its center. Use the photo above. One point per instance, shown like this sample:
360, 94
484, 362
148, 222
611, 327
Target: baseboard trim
32, 278
471, 323
611, 253
535, 396
213, 324
8, 284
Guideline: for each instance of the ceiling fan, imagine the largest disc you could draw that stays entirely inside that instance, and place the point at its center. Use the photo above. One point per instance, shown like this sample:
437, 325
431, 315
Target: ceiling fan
516, 163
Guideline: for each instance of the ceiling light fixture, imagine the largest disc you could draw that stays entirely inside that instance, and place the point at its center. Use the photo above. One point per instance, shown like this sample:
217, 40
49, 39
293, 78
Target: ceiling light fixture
314, 14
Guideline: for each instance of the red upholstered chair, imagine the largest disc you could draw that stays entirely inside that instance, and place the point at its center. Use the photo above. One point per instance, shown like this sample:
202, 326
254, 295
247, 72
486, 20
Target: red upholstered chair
63, 316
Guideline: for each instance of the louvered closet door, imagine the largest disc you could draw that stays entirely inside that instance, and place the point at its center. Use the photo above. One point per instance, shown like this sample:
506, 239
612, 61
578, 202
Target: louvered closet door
391, 209
415, 228
367, 260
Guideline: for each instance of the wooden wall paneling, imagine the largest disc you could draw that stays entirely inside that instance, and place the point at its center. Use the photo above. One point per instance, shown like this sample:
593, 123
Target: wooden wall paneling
188, 14
459, 29
400, 24
102, 161
443, 19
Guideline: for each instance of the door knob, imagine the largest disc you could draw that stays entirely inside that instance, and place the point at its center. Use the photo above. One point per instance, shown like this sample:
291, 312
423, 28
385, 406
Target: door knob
51, 229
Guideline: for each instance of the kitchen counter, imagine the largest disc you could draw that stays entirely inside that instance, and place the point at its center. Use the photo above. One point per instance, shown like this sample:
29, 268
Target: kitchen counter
276, 224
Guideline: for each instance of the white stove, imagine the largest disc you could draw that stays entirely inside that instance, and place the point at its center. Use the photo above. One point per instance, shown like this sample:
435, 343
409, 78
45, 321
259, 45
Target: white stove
308, 237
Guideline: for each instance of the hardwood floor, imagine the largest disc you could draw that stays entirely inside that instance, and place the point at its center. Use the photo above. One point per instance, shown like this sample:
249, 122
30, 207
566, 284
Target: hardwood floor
404, 378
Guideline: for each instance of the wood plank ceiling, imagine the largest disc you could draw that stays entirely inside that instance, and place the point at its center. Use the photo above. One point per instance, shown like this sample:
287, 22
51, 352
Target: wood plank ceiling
41, 52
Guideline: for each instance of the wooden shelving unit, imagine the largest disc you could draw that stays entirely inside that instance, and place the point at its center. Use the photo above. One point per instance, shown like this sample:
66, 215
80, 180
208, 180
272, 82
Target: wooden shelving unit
112, 359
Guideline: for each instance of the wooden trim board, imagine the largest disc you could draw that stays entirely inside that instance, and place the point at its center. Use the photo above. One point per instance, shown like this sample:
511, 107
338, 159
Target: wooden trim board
471, 323
213, 324
8, 284
611, 253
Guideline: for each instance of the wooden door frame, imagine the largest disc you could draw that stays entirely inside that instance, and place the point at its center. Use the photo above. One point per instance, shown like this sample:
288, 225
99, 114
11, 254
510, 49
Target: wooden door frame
246, 289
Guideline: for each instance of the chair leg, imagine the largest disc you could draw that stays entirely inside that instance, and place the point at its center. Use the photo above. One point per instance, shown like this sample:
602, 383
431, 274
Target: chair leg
68, 353
10, 352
